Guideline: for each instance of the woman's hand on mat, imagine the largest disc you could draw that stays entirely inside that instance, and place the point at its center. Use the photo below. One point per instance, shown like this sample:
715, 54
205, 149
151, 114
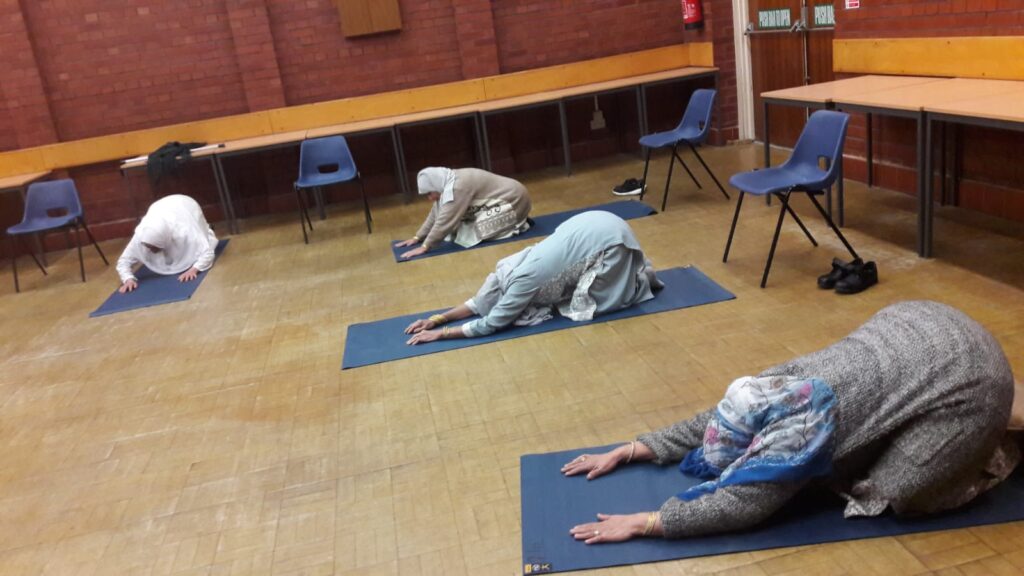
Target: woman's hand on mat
419, 326
611, 528
188, 275
424, 336
596, 465
409, 242
414, 252
129, 285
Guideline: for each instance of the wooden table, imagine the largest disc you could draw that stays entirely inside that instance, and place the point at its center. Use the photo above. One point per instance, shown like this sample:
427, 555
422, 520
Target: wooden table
822, 96
559, 98
478, 112
910, 101
210, 153
1003, 110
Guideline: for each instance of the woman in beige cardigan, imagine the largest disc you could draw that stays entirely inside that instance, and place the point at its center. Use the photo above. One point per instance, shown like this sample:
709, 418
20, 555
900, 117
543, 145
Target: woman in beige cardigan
470, 206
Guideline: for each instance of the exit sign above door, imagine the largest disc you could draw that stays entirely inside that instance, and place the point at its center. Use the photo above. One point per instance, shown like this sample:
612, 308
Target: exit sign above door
824, 15
774, 19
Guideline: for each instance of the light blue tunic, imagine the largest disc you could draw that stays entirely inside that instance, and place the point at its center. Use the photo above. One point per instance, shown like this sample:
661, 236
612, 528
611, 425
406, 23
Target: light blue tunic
619, 275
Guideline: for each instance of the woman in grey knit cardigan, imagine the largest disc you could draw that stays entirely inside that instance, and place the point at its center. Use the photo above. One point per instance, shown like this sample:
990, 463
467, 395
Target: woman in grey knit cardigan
908, 412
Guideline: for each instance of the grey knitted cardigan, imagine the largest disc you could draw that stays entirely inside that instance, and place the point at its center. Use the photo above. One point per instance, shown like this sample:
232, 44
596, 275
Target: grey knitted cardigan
924, 396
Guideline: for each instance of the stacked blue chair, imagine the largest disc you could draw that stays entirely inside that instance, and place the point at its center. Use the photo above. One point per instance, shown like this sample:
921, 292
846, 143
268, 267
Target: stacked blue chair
322, 162
52, 205
822, 140
693, 131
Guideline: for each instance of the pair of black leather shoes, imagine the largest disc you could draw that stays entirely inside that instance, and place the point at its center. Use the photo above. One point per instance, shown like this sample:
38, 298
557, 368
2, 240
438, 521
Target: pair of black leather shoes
849, 277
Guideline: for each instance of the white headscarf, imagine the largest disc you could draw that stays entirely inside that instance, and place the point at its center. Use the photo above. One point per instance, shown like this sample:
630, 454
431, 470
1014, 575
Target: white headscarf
437, 180
176, 225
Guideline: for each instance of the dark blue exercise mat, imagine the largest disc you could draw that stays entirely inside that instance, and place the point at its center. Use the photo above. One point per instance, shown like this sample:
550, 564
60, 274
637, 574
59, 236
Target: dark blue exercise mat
154, 289
384, 340
552, 504
542, 226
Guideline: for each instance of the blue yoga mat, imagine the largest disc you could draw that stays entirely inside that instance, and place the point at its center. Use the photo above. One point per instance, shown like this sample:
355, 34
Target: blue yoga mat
154, 289
542, 226
552, 504
384, 340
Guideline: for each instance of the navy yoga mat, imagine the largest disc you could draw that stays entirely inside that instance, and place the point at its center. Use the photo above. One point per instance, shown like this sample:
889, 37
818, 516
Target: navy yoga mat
552, 504
384, 340
154, 289
542, 226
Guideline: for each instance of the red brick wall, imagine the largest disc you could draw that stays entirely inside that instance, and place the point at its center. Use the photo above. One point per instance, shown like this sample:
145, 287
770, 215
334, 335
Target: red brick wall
109, 67
318, 63
91, 67
535, 33
992, 176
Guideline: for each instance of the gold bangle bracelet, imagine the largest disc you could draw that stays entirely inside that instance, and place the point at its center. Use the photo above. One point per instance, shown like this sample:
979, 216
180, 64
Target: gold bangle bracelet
444, 332
438, 319
652, 519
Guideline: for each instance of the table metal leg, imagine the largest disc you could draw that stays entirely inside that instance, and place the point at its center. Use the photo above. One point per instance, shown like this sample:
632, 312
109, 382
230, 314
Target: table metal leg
644, 120
479, 141
944, 194
485, 140
871, 153
767, 133
400, 156
403, 186
924, 184
565, 138
225, 193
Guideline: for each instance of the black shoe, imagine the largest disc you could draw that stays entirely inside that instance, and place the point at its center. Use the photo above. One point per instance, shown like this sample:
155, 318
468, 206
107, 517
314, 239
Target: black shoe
631, 187
859, 280
839, 270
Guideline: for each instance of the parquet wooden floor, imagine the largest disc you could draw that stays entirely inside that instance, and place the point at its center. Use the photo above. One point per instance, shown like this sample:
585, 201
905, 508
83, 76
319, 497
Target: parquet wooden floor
218, 436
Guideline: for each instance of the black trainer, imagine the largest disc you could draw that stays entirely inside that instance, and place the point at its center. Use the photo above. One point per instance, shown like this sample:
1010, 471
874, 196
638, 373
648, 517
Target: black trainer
859, 280
631, 187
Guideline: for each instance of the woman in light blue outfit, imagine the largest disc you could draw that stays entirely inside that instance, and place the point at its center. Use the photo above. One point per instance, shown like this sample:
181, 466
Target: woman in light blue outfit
591, 265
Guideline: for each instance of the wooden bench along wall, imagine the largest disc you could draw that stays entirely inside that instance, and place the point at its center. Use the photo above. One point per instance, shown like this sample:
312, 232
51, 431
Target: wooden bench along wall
119, 146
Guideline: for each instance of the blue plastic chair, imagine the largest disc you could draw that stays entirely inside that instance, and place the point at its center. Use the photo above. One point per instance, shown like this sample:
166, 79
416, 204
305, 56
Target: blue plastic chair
693, 131
822, 140
51, 205
325, 161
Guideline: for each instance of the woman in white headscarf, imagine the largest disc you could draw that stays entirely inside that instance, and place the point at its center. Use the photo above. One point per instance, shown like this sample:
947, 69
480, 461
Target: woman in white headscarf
173, 238
470, 206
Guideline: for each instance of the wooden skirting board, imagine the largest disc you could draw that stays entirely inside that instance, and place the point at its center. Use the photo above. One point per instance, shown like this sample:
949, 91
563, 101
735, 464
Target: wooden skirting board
995, 57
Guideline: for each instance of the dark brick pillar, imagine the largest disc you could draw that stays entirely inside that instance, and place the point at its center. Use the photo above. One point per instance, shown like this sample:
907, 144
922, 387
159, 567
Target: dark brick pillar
718, 30
22, 85
478, 47
255, 53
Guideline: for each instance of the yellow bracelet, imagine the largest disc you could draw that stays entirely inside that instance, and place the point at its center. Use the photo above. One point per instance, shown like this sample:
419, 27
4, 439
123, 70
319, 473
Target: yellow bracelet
632, 451
444, 333
652, 519
439, 319
417, 238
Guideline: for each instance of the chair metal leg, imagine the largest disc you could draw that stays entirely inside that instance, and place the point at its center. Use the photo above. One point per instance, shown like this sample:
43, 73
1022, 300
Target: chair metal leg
801, 224
833, 226
78, 244
303, 215
688, 171
710, 173
784, 198
42, 268
94, 243
318, 193
671, 164
647, 163
366, 207
732, 230
14, 263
